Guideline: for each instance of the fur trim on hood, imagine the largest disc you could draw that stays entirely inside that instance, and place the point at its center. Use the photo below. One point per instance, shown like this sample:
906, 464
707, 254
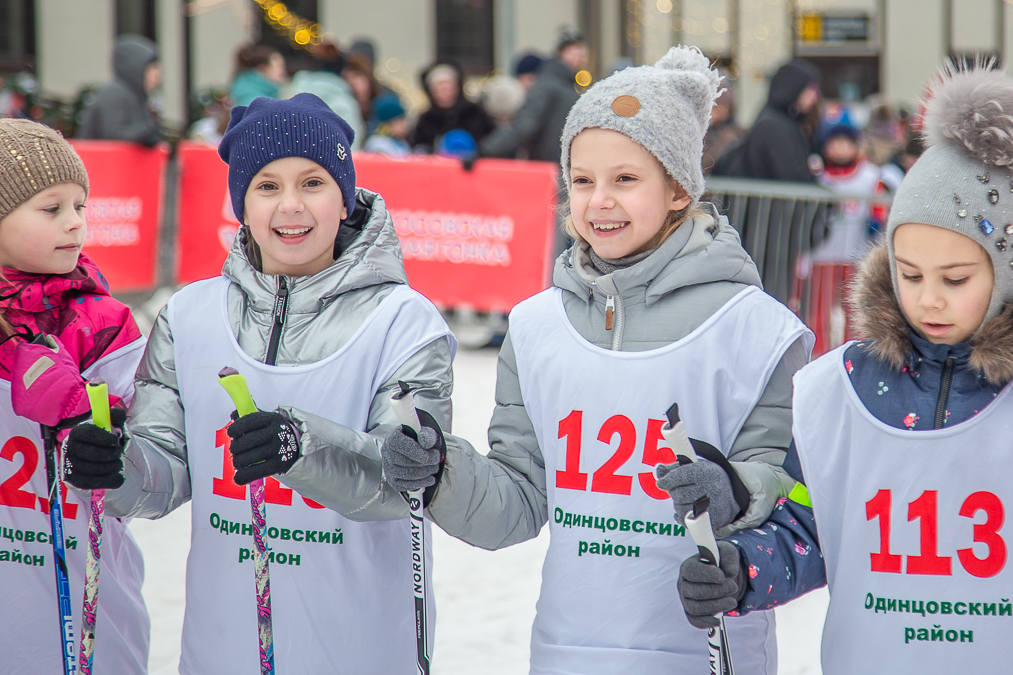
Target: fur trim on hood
878, 318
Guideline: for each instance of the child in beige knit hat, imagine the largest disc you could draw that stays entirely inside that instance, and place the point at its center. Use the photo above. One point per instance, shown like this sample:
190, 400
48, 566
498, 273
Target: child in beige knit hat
48, 286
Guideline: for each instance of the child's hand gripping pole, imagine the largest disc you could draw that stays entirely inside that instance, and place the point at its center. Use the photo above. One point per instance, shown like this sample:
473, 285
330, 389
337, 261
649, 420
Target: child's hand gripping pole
98, 397
403, 405
699, 525
239, 392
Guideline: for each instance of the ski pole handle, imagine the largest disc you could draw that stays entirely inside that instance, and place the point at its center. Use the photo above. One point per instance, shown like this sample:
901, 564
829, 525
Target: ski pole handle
235, 385
239, 392
677, 438
403, 405
98, 397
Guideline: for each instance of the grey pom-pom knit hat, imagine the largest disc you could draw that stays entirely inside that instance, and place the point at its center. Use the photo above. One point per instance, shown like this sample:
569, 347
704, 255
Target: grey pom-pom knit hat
665, 107
964, 181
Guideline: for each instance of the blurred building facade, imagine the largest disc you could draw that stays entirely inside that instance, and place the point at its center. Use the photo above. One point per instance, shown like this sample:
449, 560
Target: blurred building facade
861, 46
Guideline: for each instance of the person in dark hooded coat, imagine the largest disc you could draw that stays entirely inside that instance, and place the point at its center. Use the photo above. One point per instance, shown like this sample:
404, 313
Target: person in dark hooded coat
449, 109
779, 144
120, 111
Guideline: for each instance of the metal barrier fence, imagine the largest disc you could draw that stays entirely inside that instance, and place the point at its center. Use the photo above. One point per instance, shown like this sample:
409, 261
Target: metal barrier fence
780, 223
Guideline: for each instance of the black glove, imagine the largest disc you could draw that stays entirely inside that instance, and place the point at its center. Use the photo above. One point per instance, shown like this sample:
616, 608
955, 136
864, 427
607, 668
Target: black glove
707, 591
93, 457
263, 444
468, 162
413, 462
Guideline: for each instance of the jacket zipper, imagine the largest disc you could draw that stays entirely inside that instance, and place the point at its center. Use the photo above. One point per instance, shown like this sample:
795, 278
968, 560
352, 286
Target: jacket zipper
944, 394
280, 308
614, 319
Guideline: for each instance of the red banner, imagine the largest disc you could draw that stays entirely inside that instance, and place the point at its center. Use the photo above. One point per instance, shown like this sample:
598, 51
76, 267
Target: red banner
207, 226
124, 210
482, 238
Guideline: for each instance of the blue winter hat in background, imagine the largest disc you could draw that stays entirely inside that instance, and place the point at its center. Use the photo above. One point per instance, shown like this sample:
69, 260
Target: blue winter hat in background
456, 143
387, 108
269, 129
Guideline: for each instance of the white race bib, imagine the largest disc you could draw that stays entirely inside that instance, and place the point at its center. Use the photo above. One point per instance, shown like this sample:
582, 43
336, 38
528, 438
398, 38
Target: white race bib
29, 621
341, 591
609, 602
912, 529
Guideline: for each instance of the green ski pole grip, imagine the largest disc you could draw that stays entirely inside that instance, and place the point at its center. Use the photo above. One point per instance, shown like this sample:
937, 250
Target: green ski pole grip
235, 385
98, 397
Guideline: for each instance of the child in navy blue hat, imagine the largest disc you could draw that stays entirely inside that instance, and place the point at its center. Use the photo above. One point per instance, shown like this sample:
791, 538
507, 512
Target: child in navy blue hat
313, 308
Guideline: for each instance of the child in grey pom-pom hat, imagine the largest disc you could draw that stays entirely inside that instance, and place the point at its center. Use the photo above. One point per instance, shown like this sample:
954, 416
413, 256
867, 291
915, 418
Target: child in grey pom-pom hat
913, 420
656, 303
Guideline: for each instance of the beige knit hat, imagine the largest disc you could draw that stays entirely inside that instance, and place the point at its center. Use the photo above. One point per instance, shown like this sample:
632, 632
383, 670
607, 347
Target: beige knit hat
34, 157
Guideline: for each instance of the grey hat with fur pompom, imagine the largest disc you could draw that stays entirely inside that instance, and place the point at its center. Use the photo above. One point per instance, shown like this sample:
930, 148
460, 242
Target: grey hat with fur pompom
665, 107
964, 181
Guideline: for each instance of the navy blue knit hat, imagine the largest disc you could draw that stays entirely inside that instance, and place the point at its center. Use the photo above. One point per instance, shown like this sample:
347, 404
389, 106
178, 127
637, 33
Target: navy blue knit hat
302, 126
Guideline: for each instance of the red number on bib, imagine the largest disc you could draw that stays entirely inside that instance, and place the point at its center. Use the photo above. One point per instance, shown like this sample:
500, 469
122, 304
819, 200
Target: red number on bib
929, 562
571, 478
986, 533
11, 493
879, 507
226, 485
605, 478
653, 455
274, 493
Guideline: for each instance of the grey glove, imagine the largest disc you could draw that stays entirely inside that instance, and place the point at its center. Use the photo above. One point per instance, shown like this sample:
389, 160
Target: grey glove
707, 591
689, 482
411, 463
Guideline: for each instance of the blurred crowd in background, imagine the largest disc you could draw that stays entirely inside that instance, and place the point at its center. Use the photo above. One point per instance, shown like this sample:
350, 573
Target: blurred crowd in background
860, 148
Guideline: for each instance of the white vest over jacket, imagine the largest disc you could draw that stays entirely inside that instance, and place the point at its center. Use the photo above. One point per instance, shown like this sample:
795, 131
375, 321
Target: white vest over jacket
29, 626
912, 529
609, 602
341, 591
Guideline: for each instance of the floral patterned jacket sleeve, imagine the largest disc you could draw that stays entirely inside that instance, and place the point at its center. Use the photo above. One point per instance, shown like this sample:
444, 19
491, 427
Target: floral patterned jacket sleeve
782, 556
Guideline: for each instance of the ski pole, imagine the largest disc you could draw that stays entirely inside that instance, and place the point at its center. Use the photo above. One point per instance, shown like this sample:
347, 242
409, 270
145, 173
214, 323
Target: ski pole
53, 483
403, 405
98, 396
699, 525
235, 385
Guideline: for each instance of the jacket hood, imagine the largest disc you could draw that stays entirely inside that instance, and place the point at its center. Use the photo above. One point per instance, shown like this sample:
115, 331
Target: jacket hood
371, 258
460, 81
788, 83
75, 307
131, 57
709, 250
879, 319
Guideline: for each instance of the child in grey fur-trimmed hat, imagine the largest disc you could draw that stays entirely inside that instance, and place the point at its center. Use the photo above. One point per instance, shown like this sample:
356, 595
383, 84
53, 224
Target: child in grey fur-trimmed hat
912, 419
655, 303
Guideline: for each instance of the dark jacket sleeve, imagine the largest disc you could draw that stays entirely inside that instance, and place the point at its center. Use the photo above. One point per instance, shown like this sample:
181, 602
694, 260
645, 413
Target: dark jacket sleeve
507, 140
777, 150
118, 115
783, 555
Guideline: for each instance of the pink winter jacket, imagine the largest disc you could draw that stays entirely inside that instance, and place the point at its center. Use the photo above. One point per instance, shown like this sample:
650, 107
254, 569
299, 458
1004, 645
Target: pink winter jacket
75, 307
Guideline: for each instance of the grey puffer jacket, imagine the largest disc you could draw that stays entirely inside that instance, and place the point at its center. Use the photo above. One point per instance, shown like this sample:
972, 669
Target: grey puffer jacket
120, 111
498, 500
340, 467
539, 123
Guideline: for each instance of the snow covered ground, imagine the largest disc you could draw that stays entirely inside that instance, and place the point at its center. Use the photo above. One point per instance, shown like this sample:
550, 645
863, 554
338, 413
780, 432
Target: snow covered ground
485, 600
